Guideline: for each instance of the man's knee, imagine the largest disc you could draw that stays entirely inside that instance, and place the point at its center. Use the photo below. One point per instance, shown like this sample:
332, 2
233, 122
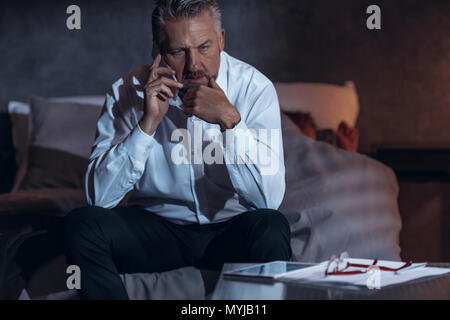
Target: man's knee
273, 235
82, 222
273, 220
84, 216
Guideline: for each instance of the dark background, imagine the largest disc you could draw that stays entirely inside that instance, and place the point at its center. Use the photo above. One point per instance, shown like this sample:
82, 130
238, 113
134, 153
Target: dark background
402, 72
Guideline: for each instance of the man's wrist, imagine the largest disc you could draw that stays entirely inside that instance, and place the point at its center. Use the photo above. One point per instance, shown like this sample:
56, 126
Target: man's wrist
230, 119
148, 125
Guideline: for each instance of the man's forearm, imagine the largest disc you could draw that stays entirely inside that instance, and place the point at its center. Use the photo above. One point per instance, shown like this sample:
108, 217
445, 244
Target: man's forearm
115, 169
261, 185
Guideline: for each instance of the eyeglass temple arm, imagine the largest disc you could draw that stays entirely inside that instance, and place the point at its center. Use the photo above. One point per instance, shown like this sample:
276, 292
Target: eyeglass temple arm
407, 264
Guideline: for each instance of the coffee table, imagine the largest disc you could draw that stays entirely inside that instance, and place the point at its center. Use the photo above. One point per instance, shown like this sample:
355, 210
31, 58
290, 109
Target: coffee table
435, 288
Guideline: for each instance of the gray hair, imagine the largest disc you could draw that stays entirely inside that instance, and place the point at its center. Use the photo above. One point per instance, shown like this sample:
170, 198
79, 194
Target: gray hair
181, 9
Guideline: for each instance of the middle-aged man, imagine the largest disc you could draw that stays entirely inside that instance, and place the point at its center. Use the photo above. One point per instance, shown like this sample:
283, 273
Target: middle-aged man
193, 212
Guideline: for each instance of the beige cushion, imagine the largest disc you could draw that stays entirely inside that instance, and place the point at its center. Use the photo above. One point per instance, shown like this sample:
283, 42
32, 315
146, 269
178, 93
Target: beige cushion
328, 104
62, 133
22, 128
19, 113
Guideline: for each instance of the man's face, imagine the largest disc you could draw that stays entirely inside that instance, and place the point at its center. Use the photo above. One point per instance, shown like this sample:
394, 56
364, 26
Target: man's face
192, 48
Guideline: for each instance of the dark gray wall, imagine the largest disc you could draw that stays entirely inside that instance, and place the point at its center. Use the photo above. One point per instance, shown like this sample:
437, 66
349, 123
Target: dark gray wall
402, 72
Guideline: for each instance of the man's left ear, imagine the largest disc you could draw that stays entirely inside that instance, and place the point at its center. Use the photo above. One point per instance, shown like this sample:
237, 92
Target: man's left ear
222, 40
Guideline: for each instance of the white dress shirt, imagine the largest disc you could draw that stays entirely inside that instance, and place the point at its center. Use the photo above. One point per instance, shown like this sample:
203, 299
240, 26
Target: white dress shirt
167, 174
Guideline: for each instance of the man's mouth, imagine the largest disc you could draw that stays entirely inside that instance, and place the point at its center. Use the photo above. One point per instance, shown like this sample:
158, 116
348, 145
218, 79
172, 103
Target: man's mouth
199, 79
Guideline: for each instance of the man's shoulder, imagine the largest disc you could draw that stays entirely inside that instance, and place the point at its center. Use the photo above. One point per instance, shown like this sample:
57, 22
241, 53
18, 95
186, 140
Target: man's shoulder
243, 75
246, 72
135, 79
138, 75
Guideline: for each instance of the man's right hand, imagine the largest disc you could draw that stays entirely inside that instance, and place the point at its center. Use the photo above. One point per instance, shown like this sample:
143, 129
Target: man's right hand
157, 93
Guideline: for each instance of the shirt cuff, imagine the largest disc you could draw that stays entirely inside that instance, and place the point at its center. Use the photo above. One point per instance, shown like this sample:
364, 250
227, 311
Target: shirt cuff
236, 134
142, 131
138, 144
240, 125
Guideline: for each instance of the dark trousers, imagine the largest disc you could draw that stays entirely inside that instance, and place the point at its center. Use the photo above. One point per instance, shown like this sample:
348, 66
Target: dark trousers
105, 243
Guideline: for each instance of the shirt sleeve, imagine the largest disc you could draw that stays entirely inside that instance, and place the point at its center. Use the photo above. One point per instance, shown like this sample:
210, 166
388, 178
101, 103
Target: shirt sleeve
119, 154
253, 152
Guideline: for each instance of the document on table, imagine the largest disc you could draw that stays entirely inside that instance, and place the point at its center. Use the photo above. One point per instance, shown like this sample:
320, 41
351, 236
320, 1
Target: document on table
374, 278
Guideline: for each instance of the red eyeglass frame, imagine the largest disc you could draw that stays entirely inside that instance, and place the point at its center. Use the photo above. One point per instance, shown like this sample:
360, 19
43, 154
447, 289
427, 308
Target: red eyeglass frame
367, 268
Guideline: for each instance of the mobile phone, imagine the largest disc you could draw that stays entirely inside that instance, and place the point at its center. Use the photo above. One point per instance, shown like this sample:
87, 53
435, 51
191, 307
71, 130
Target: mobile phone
175, 91
164, 64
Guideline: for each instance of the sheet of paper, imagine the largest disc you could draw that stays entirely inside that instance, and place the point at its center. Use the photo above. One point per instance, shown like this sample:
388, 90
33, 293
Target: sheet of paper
373, 279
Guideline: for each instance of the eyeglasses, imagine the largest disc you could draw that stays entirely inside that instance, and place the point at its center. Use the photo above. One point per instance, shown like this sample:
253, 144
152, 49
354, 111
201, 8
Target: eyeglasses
338, 266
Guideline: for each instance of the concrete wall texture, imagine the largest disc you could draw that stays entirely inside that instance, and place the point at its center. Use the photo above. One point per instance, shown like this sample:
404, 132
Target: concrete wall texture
402, 72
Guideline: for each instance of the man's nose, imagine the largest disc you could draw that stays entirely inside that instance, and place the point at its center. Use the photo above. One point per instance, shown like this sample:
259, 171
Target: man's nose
192, 61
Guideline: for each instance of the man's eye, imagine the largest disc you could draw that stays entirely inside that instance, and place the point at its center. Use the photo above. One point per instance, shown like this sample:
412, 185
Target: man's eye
204, 48
178, 53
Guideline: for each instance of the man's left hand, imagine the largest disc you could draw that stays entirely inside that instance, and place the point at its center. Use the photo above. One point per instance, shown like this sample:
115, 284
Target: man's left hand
211, 104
